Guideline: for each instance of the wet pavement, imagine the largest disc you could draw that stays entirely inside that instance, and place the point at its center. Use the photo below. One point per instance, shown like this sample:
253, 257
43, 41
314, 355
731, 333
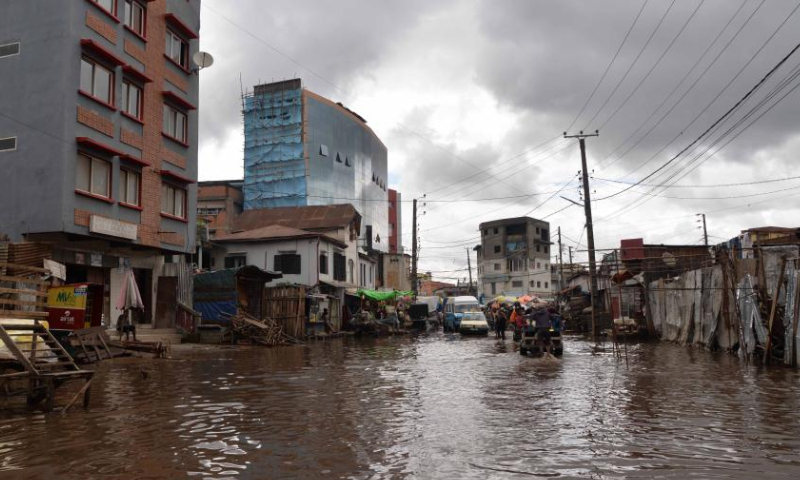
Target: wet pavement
435, 406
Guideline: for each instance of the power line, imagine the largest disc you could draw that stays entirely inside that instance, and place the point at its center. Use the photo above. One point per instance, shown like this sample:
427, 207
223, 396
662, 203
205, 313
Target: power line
685, 93
716, 185
627, 72
719, 120
438, 189
647, 75
608, 67
782, 85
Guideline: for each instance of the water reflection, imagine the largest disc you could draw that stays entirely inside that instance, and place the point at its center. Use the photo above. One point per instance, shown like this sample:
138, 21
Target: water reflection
433, 406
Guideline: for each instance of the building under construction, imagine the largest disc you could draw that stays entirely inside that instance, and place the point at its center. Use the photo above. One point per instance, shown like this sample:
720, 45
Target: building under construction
303, 149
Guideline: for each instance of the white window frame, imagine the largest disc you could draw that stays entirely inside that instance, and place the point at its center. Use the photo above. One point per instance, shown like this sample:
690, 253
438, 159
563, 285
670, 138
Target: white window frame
92, 91
130, 7
125, 176
169, 190
170, 124
180, 57
92, 162
127, 85
112, 10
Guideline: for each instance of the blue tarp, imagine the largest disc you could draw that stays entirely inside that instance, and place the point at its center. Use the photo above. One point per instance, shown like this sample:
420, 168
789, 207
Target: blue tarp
215, 293
216, 311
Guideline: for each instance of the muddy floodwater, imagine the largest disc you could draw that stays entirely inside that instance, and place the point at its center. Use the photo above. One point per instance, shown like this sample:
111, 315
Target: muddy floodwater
435, 406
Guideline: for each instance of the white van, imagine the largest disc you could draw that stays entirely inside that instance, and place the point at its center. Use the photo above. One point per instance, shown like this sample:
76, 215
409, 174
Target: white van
455, 308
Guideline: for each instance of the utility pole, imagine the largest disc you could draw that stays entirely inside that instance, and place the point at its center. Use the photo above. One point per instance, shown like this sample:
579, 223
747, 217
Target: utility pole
587, 206
560, 262
469, 266
570, 261
414, 280
705, 232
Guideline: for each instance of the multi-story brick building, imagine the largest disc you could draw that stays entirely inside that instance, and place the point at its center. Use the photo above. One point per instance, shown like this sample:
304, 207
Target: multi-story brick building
219, 202
98, 123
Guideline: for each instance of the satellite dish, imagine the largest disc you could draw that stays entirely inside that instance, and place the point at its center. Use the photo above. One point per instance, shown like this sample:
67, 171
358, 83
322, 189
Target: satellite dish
202, 60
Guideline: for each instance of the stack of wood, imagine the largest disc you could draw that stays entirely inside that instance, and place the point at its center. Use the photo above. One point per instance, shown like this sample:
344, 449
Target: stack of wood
262, 332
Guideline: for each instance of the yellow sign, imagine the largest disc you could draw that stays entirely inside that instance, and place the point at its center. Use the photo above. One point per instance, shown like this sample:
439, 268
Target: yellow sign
67, 297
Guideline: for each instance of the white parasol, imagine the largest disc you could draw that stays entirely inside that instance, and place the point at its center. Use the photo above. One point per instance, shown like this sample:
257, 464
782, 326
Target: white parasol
129, 296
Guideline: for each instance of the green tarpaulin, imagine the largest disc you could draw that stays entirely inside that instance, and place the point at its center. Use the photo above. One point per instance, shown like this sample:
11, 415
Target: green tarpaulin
382, 296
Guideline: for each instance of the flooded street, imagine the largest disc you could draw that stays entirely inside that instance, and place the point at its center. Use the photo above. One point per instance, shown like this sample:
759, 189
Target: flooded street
435, 406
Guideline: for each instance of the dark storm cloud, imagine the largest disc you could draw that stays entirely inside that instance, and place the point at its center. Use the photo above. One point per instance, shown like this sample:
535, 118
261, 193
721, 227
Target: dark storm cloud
339, 41
547, 57
538, 61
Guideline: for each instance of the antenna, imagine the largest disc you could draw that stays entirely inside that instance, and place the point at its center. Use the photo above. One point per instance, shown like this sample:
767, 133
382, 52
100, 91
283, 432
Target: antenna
202, 60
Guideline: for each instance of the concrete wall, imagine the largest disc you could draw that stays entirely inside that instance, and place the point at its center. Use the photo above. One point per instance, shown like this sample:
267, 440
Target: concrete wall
261, 254
37, 88
396, 272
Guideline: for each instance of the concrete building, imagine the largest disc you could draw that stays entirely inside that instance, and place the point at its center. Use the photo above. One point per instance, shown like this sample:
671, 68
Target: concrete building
98, 136
514, 257
302, 149
303, 257
395, 222
294, 240
395, 271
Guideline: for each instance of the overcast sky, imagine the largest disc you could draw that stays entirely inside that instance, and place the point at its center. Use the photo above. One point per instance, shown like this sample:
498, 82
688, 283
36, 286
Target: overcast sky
471, 97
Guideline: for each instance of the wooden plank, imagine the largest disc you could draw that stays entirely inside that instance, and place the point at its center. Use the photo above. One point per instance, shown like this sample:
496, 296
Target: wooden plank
83, 390
774, 308
21, 291
35, 281
12, 347
22, 314
69, 373
25, 267
22, 303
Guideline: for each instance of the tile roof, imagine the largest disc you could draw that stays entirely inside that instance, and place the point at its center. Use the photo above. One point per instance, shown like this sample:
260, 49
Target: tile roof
315, 218
274, 232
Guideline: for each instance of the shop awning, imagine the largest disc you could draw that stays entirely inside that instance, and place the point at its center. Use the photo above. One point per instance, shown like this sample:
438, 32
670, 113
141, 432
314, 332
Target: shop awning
378, 296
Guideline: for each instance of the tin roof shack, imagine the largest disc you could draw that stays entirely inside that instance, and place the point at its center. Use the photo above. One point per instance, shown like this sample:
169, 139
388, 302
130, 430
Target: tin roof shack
579, 290
662, 261
745, 244
641, 264
219, 295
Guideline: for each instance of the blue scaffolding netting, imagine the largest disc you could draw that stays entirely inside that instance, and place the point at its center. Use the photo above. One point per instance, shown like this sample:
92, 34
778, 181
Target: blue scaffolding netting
274, 164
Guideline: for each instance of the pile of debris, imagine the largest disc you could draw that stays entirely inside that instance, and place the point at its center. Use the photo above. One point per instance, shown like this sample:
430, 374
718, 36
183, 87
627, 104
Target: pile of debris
262, 332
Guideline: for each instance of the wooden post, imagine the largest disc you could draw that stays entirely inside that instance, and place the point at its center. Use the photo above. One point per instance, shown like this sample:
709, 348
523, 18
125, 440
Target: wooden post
794, 322
778, 287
